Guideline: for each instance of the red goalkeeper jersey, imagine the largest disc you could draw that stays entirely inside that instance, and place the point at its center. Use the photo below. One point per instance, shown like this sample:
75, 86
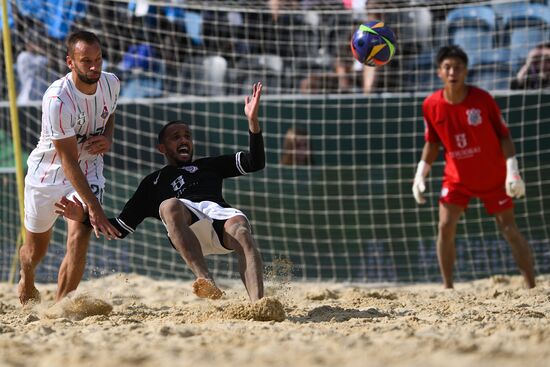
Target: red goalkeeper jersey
470, 133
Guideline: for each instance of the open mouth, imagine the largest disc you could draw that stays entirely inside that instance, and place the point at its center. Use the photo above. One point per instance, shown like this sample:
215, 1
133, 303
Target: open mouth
184, 151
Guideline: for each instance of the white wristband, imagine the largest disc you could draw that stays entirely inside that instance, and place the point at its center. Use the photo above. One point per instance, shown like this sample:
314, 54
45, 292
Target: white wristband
422, 169
512, 165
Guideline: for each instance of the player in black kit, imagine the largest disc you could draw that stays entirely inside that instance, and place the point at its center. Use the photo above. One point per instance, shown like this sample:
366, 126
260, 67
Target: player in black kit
187, 196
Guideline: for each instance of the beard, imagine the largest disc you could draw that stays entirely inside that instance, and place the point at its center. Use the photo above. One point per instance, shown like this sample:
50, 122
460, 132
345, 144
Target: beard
84, 78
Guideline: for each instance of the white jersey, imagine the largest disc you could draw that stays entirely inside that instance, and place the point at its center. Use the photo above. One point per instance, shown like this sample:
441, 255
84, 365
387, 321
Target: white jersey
68, 112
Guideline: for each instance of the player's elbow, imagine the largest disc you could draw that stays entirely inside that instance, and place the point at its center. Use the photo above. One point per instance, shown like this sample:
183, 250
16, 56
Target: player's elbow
261, 164
257, 165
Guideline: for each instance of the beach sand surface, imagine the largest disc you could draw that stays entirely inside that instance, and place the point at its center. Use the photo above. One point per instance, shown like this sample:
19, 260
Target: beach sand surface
133, 320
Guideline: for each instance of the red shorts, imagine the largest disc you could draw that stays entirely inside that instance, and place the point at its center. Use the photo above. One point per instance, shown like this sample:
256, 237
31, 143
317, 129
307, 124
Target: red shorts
494, 201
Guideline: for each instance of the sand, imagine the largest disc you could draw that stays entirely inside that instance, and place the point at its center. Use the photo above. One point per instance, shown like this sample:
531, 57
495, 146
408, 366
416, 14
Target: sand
131, 320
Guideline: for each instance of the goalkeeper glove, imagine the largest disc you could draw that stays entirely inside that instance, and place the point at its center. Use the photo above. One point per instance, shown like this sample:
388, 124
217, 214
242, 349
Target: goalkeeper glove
419, 185
515, 187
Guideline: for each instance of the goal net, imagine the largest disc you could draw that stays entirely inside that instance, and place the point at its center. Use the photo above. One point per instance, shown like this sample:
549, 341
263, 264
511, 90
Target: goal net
341, 208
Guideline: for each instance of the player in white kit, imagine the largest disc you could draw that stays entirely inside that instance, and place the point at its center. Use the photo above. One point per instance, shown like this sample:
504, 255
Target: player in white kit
77, 129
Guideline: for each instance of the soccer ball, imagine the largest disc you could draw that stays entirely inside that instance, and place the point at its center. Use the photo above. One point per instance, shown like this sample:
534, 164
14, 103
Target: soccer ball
373, 44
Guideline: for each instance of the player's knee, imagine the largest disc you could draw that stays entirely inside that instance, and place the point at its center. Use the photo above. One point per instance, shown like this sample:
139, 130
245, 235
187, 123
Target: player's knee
26, 254
241, 236
446, 227
32, 252
509, 230
171, 209
239, 229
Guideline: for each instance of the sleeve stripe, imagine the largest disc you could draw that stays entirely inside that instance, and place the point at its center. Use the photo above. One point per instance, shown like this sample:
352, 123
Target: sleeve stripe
238, 163
124, 225
61, 118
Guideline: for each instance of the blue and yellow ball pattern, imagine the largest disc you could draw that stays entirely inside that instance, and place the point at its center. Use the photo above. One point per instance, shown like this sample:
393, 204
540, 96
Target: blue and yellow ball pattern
373, 44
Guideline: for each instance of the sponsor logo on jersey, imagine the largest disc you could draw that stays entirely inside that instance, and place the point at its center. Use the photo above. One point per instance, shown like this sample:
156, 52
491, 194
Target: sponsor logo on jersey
465, 153
156, 179
474, 116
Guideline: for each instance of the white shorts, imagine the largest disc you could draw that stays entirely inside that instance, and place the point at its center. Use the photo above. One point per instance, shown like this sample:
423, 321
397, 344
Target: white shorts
40, 213
207, 212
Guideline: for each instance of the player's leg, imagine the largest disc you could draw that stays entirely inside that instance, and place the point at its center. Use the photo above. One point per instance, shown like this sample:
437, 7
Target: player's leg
39, 220
31, 253
74, 262
520, 248
449, 214
177, 218
238, 237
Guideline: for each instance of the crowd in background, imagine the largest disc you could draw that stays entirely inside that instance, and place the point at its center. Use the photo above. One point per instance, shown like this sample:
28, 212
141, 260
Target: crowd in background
295, 47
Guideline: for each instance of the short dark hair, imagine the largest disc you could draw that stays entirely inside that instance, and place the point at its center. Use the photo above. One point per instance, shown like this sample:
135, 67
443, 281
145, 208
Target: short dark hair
446, 52
84, 36
162, 131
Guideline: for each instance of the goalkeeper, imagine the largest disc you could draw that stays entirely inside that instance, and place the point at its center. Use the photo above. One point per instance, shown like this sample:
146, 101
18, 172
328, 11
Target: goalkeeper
186, 195
480, 161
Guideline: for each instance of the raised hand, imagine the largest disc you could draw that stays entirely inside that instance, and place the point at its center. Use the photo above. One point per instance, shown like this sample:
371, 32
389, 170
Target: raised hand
251, 106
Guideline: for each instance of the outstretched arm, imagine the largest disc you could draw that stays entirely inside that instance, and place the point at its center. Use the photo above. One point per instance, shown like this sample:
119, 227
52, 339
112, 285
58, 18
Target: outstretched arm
140, 206
74, 210
254, 159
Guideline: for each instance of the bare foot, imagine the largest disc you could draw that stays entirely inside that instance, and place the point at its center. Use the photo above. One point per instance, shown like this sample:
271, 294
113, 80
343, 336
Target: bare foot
27, 295
206, 288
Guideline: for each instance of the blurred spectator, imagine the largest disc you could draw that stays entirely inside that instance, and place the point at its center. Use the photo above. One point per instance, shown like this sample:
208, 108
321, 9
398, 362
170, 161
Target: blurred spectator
142, 72
31, 69
296, 148
270, 32
339, 72
535, 73
342, 79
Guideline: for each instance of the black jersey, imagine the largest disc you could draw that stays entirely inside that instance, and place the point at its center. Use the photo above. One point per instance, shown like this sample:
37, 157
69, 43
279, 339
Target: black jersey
196, 181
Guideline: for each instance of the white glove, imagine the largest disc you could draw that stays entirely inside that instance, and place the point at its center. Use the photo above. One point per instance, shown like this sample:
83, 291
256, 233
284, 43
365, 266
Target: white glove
419, 185
515, 187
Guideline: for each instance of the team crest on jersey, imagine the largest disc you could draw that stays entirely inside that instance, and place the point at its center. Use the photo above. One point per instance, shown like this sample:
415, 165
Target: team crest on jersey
81, 119
105, 112
191, 169
474, 116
